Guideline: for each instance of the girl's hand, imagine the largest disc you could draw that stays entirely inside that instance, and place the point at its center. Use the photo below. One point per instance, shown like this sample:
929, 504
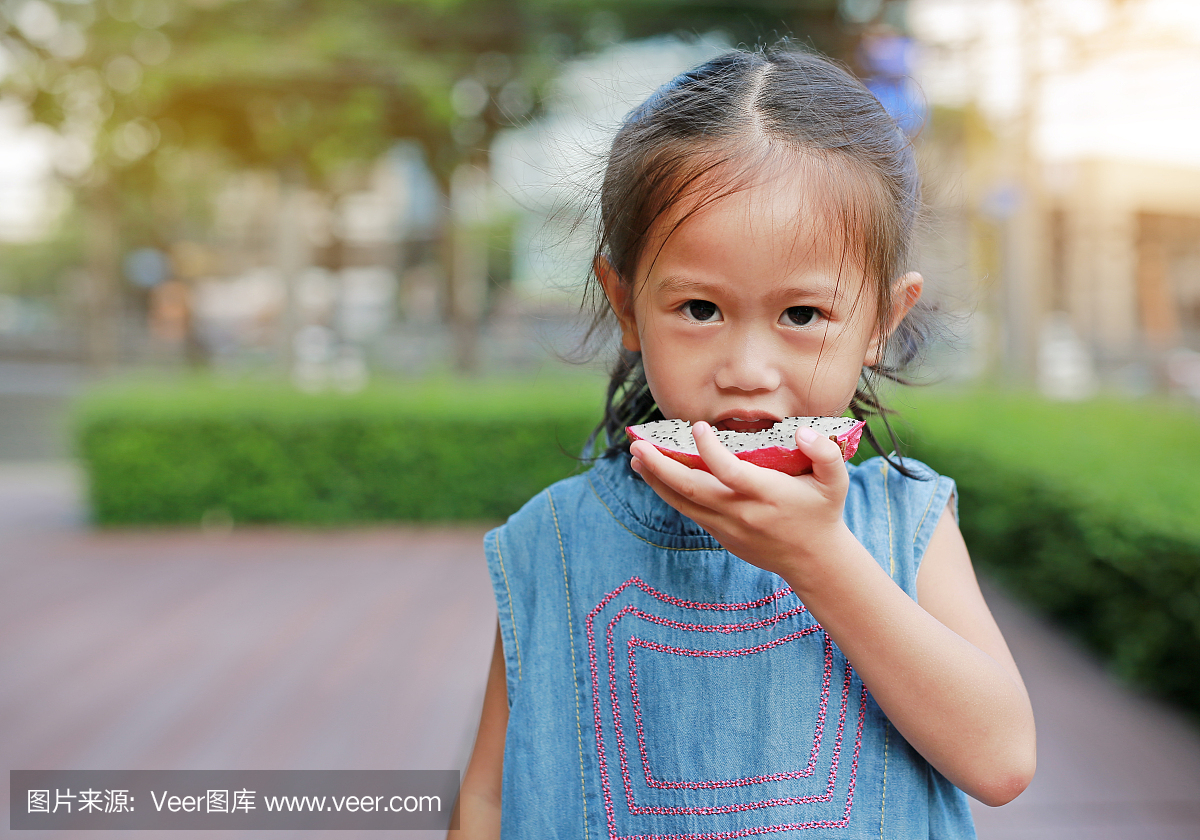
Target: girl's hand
940, 670
776, 521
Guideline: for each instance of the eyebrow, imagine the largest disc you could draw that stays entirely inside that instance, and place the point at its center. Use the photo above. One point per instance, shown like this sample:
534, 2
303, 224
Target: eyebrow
682, 285
673, 285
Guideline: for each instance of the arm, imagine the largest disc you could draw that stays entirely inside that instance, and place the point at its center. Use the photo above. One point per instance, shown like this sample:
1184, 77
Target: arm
939, 669
479, 797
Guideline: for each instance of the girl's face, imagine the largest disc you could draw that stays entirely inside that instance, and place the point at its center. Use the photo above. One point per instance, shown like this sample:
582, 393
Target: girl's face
750, 312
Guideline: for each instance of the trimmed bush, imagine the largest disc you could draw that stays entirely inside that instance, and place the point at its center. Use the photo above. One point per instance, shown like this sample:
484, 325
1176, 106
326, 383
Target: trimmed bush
175, 453
1090, 512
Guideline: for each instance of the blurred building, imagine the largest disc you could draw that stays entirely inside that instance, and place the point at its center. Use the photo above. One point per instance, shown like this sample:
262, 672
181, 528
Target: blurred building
317, 278
548, 172
1079, 181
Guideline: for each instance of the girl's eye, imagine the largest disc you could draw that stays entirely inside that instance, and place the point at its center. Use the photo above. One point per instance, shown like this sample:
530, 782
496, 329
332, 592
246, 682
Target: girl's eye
800, 316
701, 310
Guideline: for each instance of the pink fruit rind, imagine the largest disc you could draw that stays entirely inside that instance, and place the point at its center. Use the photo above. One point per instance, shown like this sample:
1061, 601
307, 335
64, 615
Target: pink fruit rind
789, 460
849, 439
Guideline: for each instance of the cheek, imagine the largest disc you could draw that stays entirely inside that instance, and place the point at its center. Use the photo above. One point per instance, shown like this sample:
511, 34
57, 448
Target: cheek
850, 345
675, 375
831, 374
660, 366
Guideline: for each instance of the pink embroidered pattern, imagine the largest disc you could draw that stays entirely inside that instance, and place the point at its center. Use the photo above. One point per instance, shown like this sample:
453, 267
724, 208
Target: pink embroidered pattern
609, 807
726, 783
744, 806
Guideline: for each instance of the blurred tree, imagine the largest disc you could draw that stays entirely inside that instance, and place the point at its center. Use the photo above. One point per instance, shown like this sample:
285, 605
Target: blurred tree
152, 97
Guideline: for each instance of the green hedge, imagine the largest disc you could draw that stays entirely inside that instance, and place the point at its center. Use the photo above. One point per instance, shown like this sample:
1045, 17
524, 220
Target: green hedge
176, 453
1090, 512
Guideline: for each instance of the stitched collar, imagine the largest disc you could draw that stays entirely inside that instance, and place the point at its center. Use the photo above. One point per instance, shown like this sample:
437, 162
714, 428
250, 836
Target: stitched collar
637, 507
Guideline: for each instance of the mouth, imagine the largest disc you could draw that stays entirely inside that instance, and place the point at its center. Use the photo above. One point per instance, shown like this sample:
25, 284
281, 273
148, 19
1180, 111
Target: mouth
745, 421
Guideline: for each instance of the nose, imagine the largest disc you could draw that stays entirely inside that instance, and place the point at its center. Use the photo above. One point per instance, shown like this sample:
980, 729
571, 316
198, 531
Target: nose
748, 363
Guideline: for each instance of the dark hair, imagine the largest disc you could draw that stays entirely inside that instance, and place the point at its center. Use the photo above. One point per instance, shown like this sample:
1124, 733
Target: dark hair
725, 125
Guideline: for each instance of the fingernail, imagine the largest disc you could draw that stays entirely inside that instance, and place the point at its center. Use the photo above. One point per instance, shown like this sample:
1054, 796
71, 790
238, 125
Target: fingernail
806, 434
699, 427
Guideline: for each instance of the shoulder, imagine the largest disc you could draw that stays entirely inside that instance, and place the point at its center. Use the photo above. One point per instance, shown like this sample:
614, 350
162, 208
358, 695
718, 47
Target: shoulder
908, 508
547, 513
920, 470
876, 477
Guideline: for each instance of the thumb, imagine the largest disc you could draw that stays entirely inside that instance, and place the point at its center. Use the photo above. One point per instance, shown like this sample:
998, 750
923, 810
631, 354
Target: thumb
829, 468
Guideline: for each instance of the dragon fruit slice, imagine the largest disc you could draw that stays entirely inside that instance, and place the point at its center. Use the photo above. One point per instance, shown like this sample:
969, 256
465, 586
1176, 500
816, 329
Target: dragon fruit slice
774, 448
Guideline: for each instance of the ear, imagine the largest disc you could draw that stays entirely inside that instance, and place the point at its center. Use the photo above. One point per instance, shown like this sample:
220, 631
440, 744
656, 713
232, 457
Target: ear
905, 293
620, 298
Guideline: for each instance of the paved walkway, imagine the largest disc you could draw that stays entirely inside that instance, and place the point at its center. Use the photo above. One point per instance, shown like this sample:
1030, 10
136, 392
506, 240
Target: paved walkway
364, 649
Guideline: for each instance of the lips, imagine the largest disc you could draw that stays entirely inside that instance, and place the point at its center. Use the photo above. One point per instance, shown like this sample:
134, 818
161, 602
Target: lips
746, 421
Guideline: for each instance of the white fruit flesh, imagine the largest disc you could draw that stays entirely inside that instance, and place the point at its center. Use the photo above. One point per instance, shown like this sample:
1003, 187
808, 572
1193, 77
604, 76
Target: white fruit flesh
676, 435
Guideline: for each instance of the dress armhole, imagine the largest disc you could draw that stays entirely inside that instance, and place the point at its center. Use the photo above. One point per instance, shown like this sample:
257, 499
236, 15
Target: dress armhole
942, 493
505, 609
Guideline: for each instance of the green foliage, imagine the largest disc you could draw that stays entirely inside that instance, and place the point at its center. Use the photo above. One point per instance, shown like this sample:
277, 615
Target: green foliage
1134, 459
436, 451
161, 100
38, 269
1089, 512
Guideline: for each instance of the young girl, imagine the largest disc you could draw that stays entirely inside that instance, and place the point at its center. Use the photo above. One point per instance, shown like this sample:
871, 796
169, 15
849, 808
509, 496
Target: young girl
693, 655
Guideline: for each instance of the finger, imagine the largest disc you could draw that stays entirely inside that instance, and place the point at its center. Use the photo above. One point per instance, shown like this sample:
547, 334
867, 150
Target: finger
687, 490
665, 492
828, 468
688, 482
731, 470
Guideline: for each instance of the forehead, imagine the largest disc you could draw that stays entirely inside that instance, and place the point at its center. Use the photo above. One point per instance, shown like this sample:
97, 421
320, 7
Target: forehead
774, 222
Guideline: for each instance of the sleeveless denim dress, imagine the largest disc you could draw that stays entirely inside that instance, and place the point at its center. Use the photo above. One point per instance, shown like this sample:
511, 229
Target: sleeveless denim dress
660, 687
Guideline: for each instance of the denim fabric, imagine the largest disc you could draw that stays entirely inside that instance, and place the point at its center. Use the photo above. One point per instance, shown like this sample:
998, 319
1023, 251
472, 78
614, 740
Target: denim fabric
660, 687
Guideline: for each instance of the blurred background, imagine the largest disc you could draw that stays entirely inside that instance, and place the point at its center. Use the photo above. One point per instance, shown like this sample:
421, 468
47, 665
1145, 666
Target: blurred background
256, 256
325, 194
